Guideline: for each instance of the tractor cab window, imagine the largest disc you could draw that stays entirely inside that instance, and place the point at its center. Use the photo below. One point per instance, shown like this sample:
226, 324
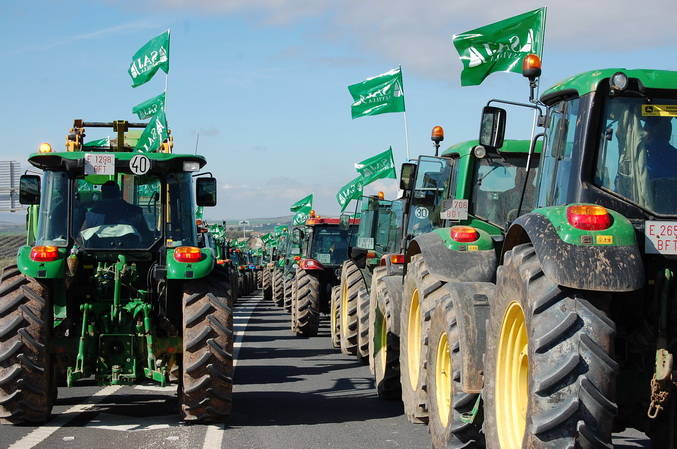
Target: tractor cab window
637, 158
497, 188
181, 226
389, 223
116, 214
53, 212
330, 244
555, 168
432, 183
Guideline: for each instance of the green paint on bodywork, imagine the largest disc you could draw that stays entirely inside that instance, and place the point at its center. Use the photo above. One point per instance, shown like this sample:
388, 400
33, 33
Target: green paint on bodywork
194, 270
41, 270
621, 230
484, 242
587, 82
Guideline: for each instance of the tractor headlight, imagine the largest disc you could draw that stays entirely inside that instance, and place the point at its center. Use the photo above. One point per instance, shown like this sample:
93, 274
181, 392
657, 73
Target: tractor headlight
618, 81
191, 166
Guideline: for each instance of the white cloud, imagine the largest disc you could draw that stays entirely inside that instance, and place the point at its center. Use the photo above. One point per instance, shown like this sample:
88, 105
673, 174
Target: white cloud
418, 34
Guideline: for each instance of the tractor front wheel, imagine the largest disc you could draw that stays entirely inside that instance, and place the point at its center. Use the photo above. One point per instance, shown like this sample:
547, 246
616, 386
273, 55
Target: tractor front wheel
385, 342
335, 316
27, 389
278, 287
352, 282
306, 304
549, 375
207, 378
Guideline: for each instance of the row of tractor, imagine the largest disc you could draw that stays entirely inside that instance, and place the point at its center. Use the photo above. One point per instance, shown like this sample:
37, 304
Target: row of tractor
517, 293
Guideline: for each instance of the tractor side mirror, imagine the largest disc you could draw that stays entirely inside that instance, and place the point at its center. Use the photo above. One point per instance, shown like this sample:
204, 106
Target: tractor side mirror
407, 176
29, 189
344, 221
492, 128
205, 191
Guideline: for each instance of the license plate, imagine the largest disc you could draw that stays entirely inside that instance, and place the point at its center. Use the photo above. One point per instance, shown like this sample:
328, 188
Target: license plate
660, 237
365, 242
324, 258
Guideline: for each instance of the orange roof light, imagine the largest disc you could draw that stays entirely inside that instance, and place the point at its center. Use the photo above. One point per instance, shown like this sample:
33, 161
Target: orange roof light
44, 253
531, 66
187, 254
380, 195
588, 217
464, 234
45, 148
312, 213
437, 135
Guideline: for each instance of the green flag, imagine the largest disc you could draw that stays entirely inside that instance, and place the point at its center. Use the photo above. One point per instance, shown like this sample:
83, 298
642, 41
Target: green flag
499, 47
105, 142
149, 108
154, 134
199, 213
152, 56
300, 217
378, 95
377, 167
302, 204
350, 191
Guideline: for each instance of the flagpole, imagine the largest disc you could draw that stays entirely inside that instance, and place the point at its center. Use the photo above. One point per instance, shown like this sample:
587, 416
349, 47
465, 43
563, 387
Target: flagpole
406, 127
167, 74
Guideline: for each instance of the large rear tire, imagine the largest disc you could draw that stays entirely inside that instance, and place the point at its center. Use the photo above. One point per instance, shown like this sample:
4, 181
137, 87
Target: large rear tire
422, 291
363, 325
351, 283
385, 344
267, 284
550, 377
446, 400
278, 288
335, 316
206, 390
371, 328
288, 281
306, 304
27, 388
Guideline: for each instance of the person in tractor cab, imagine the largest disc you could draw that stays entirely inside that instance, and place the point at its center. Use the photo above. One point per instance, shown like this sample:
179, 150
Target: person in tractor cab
661, 157
112, 210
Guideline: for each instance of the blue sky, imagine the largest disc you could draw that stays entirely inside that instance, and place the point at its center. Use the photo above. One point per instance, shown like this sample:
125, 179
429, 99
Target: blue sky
264, 81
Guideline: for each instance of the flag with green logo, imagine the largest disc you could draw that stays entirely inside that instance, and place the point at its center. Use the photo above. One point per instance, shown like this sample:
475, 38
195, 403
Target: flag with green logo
302, 204
152, 56
104, 142
377, 167
350, 191
499, 47
199, 213
378, 95
300, 217
154, 134
150, 107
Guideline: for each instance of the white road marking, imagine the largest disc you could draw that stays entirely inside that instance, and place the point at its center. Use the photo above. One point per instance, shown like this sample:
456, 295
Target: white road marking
215, 433
40, 434
166, 389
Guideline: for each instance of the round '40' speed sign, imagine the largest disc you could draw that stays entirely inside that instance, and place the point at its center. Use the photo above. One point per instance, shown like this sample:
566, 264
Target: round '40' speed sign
139, 164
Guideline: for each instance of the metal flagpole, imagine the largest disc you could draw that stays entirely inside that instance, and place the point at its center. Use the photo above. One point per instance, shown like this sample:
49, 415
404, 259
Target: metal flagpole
538, 86
167, 74
406, 128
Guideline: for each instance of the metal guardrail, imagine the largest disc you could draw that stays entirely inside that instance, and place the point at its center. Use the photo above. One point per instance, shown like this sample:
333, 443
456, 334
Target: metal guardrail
10, 171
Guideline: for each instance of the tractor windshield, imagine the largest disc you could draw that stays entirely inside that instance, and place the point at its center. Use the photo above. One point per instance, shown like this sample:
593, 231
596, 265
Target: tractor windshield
122, 214
497, 188
330, 244
387, 236
53, 218
637, 157
432, 183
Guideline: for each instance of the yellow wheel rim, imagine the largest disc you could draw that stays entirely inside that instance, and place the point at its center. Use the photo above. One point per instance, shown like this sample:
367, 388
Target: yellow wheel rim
512, 378
332, 318
344, 308
383, 333
443, 375
413, 340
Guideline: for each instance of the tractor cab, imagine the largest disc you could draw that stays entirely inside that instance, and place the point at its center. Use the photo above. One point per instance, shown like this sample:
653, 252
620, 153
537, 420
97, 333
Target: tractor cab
379, 231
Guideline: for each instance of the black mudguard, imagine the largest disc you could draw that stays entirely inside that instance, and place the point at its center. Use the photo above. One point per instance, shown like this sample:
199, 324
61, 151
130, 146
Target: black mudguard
453, 266
594, 268
471, 306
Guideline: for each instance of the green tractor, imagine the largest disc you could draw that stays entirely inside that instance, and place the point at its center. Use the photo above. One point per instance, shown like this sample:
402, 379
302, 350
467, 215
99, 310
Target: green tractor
582, 326
268, 260
468, 197
378, 234
278, 265
325, 243
112, 283
294, 248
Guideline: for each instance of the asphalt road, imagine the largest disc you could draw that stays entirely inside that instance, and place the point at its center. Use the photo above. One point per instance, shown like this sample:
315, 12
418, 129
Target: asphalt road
289, 393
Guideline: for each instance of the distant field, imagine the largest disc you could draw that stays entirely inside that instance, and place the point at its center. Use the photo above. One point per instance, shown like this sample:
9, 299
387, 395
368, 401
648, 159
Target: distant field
9, 243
